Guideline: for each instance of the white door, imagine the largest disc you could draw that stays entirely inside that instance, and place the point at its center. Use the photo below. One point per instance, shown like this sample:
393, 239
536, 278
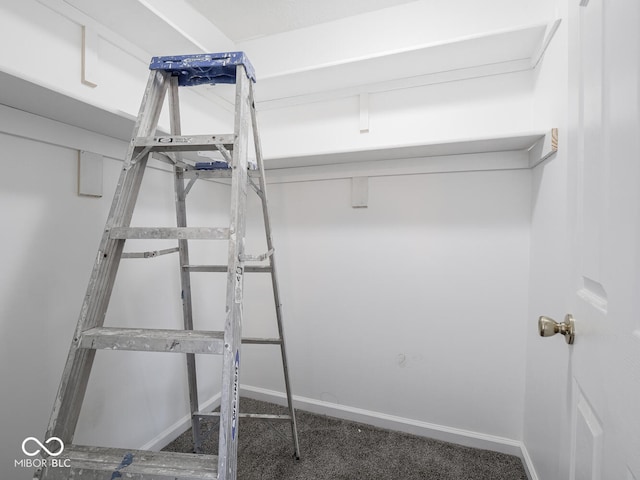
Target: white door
604, 151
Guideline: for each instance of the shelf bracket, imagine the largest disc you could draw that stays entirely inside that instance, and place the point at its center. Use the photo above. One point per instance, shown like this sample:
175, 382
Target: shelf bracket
89, 57
543, 148
359, 192
364, 113
551, 31
90, 174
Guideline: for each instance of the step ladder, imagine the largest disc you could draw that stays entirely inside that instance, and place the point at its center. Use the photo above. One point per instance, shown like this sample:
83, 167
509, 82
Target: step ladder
87, 462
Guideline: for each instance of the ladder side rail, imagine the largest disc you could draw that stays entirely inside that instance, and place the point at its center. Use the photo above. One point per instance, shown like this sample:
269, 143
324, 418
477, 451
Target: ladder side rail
274, 277
72, 389
185, 274
229, 408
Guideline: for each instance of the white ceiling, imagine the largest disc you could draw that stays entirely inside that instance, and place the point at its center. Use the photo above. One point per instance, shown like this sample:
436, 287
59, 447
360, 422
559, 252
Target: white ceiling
243, 20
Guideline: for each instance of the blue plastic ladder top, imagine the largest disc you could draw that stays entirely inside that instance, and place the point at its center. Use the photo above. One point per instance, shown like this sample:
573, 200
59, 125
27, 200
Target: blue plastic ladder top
204, 68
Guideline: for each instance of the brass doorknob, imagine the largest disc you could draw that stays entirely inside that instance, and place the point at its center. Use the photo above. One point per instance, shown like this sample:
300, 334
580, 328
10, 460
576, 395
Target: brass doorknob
549, 327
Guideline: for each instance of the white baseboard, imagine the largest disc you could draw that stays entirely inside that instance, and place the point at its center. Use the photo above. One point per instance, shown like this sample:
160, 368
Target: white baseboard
458, 436
528, 464
168, 435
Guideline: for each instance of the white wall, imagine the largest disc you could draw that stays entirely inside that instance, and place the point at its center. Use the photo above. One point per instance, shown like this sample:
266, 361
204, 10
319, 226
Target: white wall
414, 307
50, 238
408, 308
359, 311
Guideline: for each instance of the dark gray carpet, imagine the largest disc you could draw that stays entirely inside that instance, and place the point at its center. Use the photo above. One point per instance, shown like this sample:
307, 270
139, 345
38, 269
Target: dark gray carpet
340, 450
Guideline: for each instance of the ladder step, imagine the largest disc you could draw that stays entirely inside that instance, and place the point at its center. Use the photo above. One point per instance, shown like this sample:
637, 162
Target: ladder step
161, 340
185, 143
99, 463
192, 173
261, 341
153, 340
170, 233
224, 268
259, 416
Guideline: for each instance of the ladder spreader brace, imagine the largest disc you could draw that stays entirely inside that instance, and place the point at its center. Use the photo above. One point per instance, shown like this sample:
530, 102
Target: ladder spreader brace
88, 462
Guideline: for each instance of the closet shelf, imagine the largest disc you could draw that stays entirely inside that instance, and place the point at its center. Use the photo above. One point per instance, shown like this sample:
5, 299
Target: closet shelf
41, 100
531, 147
493, 53
501, 152
516, 142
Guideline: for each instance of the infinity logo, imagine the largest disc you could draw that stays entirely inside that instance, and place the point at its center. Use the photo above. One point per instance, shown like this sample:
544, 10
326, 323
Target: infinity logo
42, 446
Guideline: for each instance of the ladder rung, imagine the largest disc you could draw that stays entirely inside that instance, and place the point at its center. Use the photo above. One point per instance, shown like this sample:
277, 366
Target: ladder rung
185, 143
226, 173
98, 463
261, 341
224, 268
153, 340
150, 254
169, 233
263, 416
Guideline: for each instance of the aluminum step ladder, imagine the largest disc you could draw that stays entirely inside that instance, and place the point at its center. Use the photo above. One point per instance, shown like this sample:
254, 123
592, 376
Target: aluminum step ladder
87, 462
